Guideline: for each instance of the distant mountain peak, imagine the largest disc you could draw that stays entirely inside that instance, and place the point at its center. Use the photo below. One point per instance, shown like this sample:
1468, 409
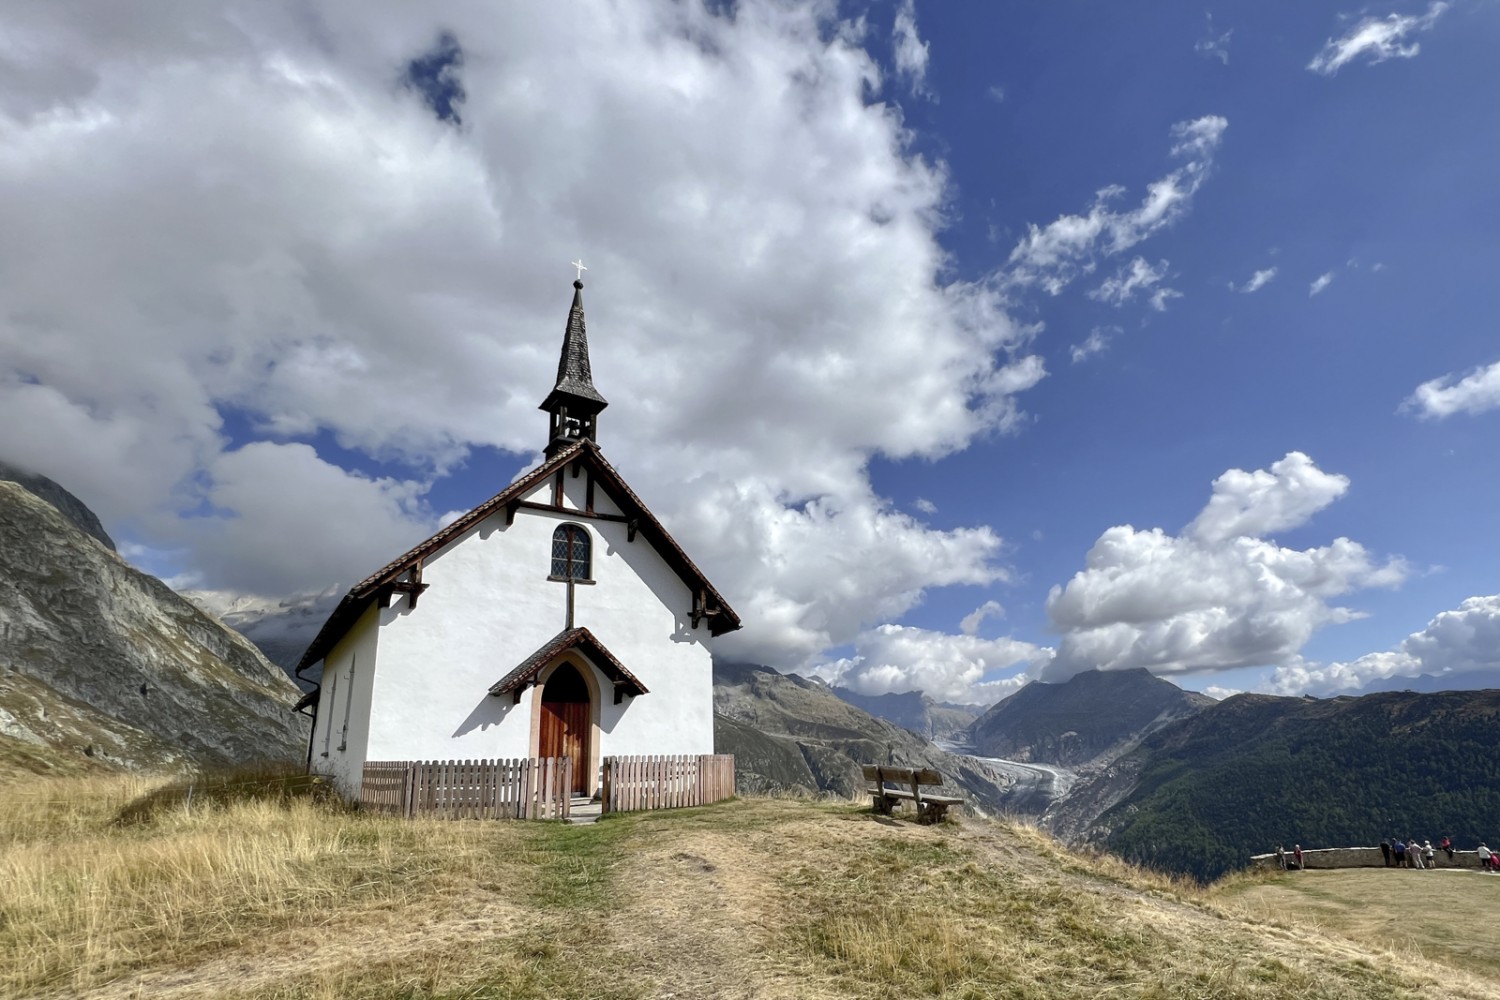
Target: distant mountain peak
1092, 715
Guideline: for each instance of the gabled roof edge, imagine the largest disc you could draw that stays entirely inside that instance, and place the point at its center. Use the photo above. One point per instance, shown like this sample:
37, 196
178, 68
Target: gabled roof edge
722, 619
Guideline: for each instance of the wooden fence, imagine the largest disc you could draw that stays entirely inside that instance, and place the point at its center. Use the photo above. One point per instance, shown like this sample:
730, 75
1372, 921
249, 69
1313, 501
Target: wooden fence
636, 783
516, 788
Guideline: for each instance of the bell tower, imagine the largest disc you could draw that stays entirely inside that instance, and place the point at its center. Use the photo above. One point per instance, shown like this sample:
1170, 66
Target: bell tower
574, 403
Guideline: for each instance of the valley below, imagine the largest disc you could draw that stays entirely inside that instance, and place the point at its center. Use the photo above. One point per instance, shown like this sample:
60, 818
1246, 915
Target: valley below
1033, 787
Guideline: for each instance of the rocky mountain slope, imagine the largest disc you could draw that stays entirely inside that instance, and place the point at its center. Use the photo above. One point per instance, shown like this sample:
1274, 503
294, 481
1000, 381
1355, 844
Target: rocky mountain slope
1091, 717
1203, 794
281, 629
66, 503
101, 664
787, 732
915, 711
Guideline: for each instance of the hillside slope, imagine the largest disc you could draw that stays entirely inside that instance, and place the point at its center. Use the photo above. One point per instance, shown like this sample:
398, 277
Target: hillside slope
762, 899
1254, 771
101, 664
1095, 714
769, 720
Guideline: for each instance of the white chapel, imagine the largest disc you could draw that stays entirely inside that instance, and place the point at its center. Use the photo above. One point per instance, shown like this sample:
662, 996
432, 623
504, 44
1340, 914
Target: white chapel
556, 618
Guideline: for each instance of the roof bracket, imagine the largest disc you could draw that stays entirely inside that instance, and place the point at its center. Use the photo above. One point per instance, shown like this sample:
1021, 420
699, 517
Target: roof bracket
412, 587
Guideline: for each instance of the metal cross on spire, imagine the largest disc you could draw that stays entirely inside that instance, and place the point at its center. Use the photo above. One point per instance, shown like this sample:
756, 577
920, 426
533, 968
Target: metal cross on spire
579, 264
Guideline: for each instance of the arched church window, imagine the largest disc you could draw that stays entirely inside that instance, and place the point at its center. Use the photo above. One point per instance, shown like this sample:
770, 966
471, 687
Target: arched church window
570, 553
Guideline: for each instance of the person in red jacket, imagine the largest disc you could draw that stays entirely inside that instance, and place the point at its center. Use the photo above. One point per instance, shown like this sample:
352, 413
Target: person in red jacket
1297, 855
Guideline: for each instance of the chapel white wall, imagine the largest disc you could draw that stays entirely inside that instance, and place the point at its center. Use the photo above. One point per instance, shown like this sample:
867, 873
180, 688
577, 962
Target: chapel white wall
341, 727
490, 605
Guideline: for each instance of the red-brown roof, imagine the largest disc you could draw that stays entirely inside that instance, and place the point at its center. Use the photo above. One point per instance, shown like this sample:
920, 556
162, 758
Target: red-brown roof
721, 618
585, 642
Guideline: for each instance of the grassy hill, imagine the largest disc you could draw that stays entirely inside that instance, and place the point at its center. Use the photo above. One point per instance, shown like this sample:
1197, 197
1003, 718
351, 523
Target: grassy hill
753, 898
1446, 915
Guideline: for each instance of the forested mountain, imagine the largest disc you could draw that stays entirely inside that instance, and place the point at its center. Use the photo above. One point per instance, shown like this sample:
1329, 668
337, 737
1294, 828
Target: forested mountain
1255, 771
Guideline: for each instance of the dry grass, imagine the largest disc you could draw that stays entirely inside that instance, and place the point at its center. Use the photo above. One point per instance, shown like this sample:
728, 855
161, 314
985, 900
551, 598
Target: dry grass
302, 900
1449, 915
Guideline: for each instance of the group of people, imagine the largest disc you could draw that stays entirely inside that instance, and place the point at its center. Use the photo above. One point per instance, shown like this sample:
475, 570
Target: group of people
1406, 852
1410, 853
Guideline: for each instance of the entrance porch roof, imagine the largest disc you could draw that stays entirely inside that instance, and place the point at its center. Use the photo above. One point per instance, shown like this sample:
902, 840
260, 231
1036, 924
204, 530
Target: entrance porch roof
582, 641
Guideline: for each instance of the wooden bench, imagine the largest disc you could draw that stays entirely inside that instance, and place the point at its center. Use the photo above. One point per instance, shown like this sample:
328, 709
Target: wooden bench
930, 808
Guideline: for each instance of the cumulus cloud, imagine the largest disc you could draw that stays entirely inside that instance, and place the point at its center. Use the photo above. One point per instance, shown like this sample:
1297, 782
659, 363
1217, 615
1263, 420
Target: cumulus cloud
238, 246
1377, 39
1051, 257
1258, 280
1321, 282
1476, 392
910, 50
946, 667
1463, 640
972, 620
1266, 501
1220, 594
924, 505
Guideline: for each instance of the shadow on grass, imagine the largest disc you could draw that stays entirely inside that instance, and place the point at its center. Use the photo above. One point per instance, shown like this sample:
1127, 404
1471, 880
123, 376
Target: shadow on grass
266, 782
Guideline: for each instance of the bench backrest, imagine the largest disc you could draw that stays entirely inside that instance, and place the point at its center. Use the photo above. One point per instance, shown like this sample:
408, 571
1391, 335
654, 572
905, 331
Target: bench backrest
902, 775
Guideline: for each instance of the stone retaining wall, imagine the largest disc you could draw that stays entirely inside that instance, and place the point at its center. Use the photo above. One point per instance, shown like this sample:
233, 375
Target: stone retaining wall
1358, 857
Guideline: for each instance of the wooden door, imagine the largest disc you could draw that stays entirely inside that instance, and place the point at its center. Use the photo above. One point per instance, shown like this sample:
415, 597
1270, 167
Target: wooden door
565, 723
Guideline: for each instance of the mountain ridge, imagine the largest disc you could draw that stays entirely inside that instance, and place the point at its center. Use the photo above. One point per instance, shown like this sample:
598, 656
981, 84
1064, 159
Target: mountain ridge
103, 665
1091, 716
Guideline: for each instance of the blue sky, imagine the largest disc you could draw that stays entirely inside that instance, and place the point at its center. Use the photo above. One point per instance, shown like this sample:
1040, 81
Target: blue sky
1379, 175
903, 311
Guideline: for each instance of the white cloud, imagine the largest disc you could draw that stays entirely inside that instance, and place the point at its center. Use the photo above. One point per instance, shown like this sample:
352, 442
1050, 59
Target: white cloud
1053, 256
946, 667
1476, 392
1258, 280
1096, 343
247, 496
1377, 38
1213, 45
996, 93
232, 210
1137, 276
924, 505
1320, 283
1162, 296
1464, 640
972, 620
1265, 501
1219, 595
910, 51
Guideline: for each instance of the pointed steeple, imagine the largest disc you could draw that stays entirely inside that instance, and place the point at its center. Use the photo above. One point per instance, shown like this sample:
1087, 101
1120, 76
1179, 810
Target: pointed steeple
574, 402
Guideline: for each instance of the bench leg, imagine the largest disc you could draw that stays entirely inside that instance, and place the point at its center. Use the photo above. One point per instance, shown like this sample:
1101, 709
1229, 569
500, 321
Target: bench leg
932, 812
882, 805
